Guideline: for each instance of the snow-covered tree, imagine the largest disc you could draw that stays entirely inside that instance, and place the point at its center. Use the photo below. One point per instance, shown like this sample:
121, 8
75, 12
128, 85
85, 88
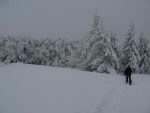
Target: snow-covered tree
63, 52
144, 54
130, 55
99, 54
115, 55
8, 50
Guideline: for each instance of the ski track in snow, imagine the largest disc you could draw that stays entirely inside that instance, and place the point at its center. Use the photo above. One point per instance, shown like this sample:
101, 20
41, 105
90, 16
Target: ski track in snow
42, 89
123, 98
105, 101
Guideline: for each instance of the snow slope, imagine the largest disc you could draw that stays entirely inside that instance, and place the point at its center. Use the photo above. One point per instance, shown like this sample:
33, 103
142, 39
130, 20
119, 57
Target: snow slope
43, 89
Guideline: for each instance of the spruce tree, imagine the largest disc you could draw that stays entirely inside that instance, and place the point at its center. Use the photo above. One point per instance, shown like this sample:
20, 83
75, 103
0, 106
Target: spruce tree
144, 54
130, 54
100, 56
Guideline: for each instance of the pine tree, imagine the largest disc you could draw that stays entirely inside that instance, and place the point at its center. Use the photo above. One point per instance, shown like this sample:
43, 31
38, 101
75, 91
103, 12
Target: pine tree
130, 54
144, 54
100, 55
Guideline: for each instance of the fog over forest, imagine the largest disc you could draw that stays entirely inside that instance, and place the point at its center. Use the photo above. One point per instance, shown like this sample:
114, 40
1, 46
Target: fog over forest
71, 18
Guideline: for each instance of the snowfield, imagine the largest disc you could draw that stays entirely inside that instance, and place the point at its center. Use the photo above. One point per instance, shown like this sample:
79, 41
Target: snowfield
43, 89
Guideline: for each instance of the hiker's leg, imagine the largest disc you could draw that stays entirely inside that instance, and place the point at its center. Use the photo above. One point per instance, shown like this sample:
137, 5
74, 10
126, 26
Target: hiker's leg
130, 81
126, 78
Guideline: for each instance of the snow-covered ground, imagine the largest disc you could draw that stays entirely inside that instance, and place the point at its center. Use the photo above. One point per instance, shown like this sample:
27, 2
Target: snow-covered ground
43, 89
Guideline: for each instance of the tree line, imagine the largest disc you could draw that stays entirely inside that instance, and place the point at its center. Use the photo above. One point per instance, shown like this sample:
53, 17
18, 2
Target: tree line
97, 51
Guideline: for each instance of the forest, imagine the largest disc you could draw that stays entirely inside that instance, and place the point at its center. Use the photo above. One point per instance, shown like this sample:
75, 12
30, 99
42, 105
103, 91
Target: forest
99, 50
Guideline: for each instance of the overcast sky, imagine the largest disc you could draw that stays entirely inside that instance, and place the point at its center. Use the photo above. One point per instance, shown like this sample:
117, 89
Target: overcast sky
71, 18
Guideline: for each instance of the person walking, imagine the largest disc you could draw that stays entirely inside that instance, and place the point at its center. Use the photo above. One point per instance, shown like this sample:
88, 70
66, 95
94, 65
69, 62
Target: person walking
128, 72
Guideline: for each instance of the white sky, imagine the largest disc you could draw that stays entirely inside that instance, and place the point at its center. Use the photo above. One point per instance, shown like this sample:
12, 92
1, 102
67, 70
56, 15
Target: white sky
71, 18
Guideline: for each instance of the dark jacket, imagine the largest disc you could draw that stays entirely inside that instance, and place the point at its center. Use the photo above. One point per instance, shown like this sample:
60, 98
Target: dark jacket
128, 71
